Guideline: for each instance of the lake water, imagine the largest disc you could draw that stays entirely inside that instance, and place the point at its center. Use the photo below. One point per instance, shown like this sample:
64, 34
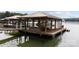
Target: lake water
71, 39
67, 39
3, 35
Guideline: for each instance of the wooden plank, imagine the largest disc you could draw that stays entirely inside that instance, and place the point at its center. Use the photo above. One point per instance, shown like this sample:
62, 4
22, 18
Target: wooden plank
46, 33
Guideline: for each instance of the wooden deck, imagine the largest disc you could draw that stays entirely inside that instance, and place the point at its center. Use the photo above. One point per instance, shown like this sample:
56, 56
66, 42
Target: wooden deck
52, 32
8, 29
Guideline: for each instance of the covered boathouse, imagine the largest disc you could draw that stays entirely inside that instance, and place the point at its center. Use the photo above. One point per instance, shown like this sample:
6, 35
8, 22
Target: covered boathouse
11, 22
42, 23
38, 23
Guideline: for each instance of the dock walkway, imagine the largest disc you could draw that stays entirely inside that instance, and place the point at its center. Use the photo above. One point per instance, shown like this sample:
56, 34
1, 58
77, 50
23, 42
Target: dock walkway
47, 33
8, 29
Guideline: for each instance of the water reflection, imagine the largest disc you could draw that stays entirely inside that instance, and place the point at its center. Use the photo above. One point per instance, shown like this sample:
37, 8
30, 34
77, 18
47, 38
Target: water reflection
71, 39
32, 41
3, 35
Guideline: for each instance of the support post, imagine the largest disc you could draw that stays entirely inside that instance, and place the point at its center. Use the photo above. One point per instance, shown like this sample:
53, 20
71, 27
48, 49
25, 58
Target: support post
45, 25
16, 25
61, 23
51, 24
55, 23
12, 23
25, 24
38, 24
7, 22
33, 23
21, 25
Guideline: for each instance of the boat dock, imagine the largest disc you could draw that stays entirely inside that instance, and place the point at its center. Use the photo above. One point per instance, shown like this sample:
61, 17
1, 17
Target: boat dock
51, 33
8, 30
37, 23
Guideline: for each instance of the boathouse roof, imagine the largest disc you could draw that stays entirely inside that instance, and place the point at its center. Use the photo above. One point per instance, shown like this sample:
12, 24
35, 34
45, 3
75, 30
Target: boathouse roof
12, 17
39, 14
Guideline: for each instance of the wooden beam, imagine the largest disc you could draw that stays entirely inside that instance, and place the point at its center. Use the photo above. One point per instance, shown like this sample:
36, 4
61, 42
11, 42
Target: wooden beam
61, 23
39, 23
25, 24
51, 24
7, 22
55, 23
45, 25
18, 24
33, 23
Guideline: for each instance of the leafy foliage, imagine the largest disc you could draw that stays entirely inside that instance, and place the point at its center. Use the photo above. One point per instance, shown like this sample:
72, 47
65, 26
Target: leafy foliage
8, 14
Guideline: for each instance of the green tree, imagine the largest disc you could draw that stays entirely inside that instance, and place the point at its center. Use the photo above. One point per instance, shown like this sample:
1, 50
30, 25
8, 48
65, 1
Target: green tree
8, 14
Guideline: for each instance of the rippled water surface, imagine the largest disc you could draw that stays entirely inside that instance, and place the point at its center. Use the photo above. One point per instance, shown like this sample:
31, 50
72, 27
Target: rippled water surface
71, 39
